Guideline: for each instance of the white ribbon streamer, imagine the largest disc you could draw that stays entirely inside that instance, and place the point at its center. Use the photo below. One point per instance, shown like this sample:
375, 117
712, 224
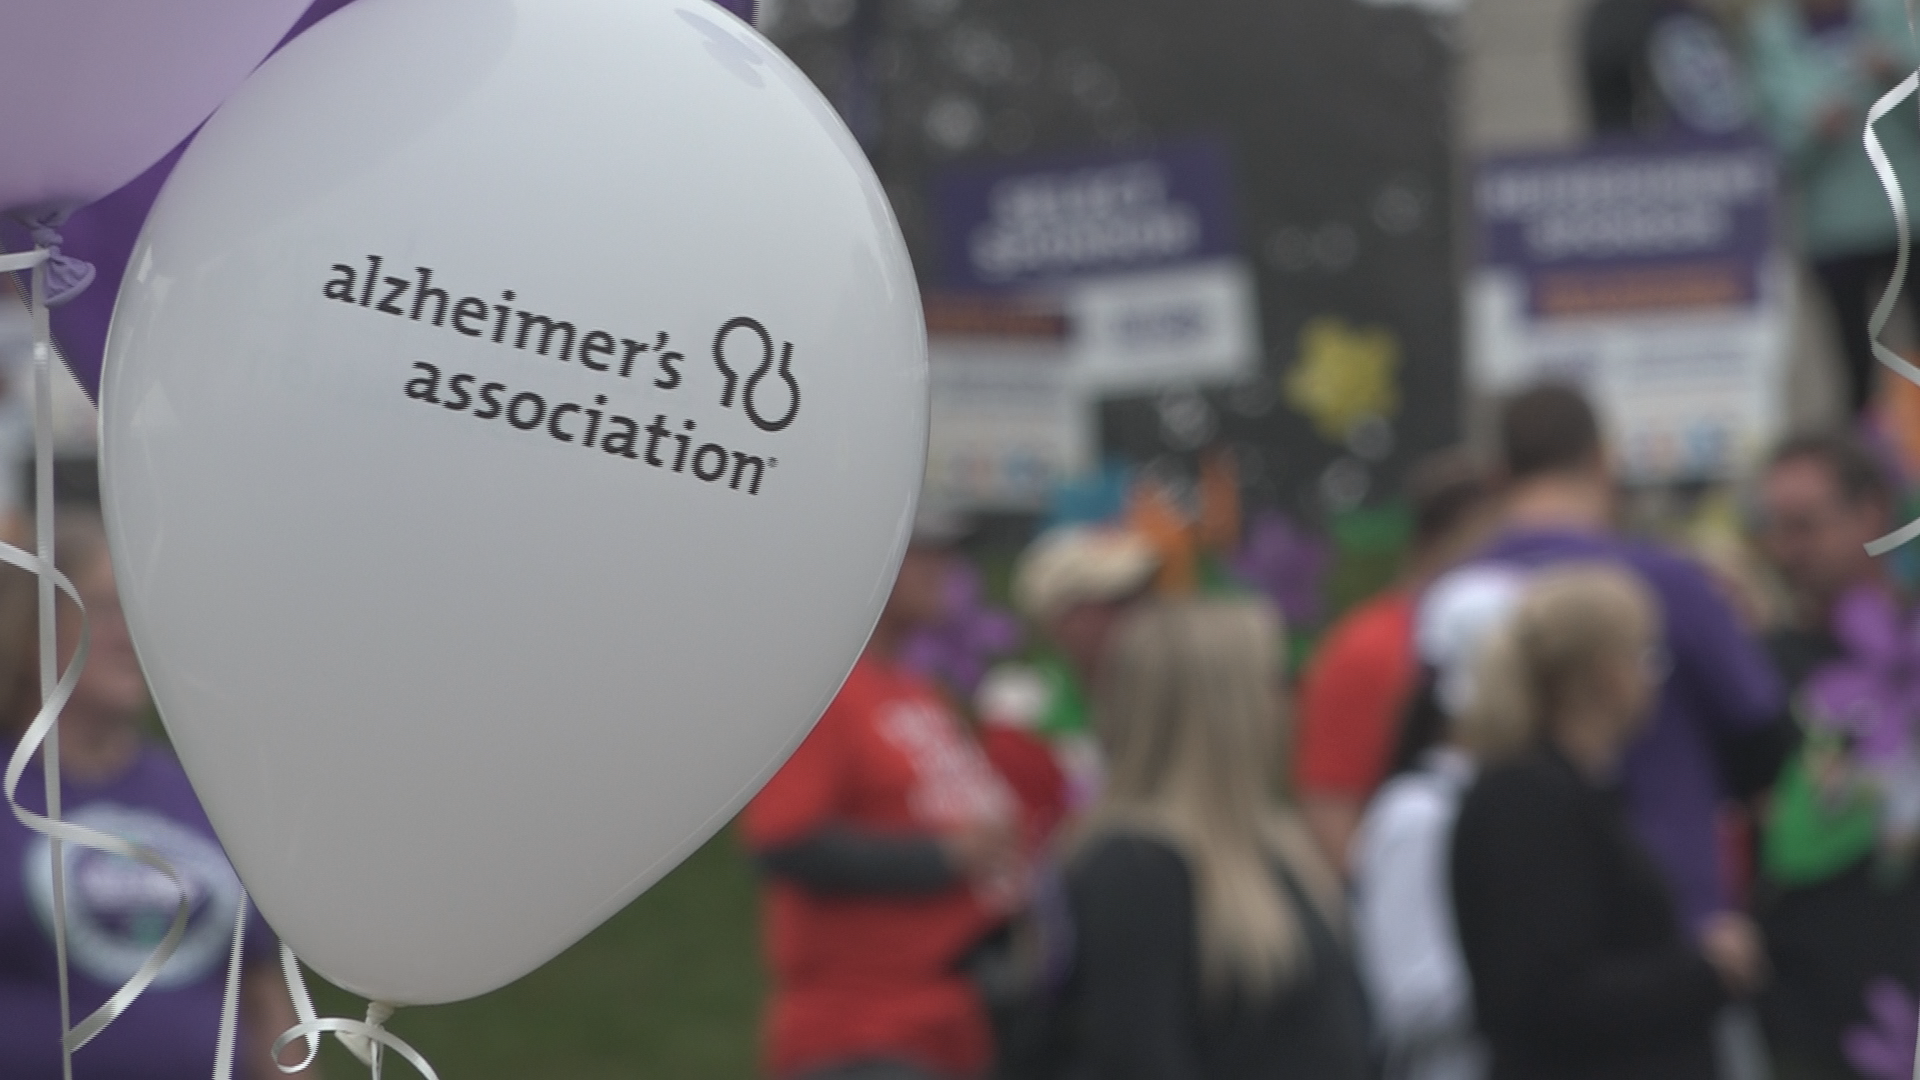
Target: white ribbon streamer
1894, 362
371, 1030
230, 1006
363, 1037
302, 1006
56, 688
1883, 168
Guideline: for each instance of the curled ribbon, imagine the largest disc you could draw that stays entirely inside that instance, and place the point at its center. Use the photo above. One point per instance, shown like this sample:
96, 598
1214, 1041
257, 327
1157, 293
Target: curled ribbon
364, 1038
55, 693
1890, 182
1894, 362
370, 1033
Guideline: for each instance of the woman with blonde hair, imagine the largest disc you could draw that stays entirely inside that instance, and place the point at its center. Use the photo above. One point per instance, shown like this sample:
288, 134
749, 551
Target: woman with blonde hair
1208, 938
1579, 962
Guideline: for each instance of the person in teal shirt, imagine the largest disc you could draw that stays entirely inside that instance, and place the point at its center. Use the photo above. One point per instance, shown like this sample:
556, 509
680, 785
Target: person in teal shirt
1818, 66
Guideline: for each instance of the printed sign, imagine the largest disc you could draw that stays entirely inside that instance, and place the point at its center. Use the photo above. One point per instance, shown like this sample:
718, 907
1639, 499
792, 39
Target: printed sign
1032, 221
1648, 273
1006, 426
1139, 246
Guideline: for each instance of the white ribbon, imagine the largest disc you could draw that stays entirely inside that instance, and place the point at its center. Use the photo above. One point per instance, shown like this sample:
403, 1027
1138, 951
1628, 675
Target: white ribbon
364, 1038
1890, 182
56, 687
309, 1025
1881, 312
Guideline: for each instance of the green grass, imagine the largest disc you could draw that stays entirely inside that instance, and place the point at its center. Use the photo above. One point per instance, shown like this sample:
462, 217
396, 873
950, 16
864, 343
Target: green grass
669, 988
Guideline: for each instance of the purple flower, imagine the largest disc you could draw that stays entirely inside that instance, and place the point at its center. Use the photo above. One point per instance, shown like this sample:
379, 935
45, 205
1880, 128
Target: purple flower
958, 650
1285, 564
1883, 1047
1873, 692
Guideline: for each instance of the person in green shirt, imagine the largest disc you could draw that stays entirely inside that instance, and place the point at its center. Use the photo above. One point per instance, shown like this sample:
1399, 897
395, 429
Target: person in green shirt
1075, 583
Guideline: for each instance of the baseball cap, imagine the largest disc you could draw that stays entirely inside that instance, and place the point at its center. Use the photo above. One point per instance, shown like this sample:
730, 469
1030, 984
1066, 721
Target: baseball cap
1077, 564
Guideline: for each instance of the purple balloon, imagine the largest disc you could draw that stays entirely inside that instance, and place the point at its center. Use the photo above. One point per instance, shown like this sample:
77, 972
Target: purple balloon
105, 232
1286, 563
970, 636
98, 90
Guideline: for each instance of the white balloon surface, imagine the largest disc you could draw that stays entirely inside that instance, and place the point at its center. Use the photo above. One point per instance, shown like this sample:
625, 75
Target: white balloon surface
512, 422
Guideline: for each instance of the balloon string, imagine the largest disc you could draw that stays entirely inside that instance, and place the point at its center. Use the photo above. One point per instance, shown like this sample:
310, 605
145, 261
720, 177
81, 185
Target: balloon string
1893, 361
365, 1039
56, 688
42, 303
1883, 168
49, 622
230, 1006
50, 756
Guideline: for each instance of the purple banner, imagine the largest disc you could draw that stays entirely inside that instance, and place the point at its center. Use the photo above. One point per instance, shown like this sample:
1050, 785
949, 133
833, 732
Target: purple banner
1631, 226
1027, 221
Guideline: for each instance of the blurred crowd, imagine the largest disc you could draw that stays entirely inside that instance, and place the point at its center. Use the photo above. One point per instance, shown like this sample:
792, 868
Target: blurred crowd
1558, 802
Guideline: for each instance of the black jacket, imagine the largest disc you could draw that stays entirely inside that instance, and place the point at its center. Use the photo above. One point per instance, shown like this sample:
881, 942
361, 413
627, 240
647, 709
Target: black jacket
1580, 969
1135, 1008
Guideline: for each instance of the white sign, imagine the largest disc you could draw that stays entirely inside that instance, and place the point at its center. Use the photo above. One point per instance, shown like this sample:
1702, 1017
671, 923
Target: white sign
1686, 394
1648, 273
1006, 425
1140, 331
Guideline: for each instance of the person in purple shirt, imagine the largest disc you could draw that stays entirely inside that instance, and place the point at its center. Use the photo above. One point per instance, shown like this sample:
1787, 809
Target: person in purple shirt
117, 909
1721, 729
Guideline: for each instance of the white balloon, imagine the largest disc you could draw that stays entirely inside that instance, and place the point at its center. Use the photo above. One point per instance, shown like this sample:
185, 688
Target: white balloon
470, 615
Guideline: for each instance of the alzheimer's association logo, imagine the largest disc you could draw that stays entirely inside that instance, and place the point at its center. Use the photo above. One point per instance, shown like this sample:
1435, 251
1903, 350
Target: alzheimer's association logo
119, 909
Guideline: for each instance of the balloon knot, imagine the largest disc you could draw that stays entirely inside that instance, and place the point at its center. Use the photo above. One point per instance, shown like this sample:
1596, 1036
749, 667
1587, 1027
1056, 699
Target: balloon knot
67, 277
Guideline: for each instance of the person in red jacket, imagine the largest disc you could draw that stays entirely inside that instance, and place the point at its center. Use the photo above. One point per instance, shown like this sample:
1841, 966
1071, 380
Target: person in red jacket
891, 848
1354, 691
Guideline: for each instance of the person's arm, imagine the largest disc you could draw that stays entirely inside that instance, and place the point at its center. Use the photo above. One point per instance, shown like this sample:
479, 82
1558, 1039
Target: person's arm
1349, 707
1403, 922
1527, 881
265, 1012
797, 826
1795, 102
1333, 818
842, 859
1134, 953
1726, 674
